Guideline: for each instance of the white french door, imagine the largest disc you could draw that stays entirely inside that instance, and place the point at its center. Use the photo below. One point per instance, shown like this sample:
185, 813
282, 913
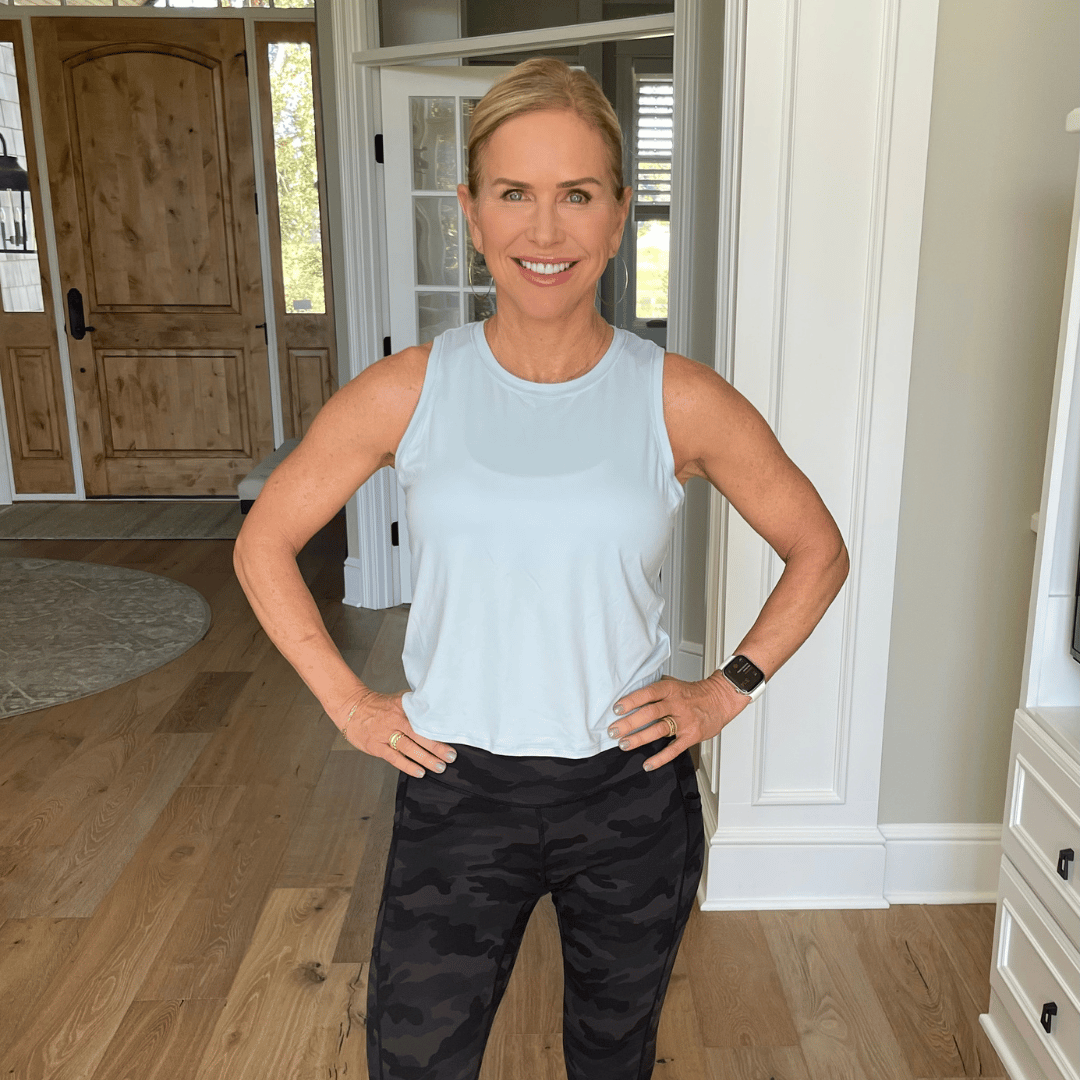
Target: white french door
436, 280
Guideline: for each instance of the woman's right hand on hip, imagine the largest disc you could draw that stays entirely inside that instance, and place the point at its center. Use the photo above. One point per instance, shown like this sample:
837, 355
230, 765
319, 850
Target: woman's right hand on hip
376, 719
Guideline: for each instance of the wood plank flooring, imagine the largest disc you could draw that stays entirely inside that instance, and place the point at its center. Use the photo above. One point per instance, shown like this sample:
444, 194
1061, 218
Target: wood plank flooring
190, 865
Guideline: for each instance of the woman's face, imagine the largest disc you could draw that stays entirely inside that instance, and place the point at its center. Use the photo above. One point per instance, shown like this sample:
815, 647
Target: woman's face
545, 218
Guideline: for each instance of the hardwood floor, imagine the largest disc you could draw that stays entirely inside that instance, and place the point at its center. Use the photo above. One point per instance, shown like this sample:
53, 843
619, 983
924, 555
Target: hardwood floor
190, 865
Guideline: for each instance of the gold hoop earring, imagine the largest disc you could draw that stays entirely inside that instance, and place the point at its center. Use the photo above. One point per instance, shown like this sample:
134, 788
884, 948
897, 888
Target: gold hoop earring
483, 303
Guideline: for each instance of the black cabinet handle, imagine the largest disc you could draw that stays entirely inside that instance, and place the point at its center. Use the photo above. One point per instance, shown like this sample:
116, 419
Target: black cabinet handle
1049, 1011
1065, 856
76, 321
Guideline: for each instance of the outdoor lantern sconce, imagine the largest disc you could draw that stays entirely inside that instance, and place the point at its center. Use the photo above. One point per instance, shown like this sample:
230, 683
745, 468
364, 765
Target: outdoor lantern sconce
13, 177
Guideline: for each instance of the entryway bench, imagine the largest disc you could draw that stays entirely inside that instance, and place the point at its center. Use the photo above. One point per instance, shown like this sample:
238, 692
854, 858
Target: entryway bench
248, 489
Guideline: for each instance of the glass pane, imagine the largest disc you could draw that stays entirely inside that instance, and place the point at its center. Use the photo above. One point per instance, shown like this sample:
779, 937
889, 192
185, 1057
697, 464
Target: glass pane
653, 241
436, 312
20, 277
436, 223
293, 107
477, 274
467, 106
293, 3
434, 142
480, 307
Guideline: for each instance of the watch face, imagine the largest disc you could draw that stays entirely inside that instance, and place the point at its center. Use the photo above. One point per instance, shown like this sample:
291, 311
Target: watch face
744, 674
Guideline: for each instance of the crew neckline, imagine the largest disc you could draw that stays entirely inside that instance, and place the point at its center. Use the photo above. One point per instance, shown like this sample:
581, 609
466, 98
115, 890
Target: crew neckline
596, 372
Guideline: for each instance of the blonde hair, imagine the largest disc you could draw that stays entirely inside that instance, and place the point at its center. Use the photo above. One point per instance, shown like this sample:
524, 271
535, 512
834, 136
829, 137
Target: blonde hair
544, 83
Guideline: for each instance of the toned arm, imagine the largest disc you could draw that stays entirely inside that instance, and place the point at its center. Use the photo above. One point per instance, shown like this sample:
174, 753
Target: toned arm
717, 434
355, 433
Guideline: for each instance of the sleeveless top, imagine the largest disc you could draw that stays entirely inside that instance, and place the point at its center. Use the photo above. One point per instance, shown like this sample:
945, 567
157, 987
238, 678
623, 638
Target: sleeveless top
539, 515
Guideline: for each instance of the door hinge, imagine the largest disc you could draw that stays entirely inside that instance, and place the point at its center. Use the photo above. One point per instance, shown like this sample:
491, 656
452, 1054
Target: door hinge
256, 204
393, 534
244, 55
386, 350
378, 149
266, 334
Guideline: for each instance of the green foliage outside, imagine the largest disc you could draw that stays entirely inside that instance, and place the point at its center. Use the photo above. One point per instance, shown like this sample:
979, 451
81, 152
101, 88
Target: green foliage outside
652, 269
297, 176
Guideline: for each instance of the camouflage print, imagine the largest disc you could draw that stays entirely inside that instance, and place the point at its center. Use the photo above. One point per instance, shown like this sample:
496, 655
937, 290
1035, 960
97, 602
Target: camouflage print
473, 849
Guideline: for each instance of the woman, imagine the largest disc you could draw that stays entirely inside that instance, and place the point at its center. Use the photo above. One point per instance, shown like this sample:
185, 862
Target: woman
544, 455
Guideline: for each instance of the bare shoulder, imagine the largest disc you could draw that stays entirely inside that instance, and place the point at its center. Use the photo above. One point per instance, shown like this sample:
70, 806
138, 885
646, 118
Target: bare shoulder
379, 402
696, 399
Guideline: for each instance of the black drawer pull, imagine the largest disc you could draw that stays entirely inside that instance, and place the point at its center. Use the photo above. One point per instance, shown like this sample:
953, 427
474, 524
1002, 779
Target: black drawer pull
1048, 1014
1065, 856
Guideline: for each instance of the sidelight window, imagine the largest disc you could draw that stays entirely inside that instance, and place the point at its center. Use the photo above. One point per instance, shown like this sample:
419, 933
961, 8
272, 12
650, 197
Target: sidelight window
20, 277
297, 166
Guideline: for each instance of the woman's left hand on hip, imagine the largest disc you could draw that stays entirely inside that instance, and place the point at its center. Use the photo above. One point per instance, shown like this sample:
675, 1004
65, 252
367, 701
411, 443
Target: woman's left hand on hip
699, 709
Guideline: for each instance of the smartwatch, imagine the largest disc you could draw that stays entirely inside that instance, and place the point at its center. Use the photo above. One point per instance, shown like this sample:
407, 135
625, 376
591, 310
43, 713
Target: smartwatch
744, 675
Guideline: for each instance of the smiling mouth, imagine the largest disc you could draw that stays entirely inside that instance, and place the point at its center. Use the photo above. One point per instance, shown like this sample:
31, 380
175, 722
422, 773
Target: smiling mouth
546, 268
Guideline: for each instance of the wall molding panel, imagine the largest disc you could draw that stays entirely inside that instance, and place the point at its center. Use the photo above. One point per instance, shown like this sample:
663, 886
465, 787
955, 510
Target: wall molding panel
835, 125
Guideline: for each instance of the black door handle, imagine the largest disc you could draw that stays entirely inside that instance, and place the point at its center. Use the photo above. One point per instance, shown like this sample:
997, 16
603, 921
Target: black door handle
76, 322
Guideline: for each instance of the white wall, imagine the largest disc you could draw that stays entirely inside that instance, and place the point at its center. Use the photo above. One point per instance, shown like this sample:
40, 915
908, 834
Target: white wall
999, 190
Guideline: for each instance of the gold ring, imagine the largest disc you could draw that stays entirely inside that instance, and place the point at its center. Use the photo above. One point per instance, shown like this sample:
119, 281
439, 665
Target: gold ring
672, 727
395, 738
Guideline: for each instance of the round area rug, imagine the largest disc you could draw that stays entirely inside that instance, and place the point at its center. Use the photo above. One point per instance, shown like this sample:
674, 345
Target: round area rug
70, 629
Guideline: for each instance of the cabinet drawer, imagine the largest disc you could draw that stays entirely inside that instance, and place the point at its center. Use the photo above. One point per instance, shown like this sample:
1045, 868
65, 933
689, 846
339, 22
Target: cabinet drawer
1042, 823
1036, 968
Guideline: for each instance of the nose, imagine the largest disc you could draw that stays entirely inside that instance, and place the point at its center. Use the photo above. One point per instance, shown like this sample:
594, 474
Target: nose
544, 226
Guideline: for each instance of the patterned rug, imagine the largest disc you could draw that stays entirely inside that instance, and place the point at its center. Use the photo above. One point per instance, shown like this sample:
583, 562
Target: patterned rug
70, 629
122, 519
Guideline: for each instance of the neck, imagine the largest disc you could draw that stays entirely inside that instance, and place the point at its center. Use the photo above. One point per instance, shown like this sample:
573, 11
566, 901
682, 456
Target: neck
548, 350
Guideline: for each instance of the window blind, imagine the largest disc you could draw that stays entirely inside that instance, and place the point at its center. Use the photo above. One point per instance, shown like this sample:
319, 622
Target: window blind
653, 129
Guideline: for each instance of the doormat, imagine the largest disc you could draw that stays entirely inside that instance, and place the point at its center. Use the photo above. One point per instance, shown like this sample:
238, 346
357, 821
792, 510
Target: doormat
70, 629
121, 520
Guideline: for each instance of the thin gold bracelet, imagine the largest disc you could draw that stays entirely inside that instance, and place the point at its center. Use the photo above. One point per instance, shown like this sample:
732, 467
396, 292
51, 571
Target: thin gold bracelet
348, 719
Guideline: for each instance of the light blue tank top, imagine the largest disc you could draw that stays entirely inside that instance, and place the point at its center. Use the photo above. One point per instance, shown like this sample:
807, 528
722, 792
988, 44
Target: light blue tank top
539, 515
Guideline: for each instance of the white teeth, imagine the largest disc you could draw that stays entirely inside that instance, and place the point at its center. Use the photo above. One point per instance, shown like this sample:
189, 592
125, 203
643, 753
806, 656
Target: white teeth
546, 268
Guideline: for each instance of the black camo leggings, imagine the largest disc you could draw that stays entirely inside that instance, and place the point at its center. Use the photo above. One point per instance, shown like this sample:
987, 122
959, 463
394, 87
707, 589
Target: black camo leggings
619, 849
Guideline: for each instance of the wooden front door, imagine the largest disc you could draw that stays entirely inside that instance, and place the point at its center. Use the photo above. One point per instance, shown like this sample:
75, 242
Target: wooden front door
149, 147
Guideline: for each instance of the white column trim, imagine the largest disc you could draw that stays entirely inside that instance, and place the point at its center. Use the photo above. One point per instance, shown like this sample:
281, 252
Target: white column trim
370, 569
776, 841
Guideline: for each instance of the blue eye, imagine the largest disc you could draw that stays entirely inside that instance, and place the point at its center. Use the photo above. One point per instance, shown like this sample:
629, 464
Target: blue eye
579, 198
510, 195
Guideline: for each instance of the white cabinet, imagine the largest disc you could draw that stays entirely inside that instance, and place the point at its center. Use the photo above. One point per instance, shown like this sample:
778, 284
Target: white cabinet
1034, 1017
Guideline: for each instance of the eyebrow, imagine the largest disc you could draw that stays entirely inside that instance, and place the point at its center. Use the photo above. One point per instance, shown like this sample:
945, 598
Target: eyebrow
564, 184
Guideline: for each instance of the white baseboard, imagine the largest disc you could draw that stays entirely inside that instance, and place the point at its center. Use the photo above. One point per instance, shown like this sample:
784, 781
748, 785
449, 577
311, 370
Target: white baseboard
752, 869
950, 863
785, 869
